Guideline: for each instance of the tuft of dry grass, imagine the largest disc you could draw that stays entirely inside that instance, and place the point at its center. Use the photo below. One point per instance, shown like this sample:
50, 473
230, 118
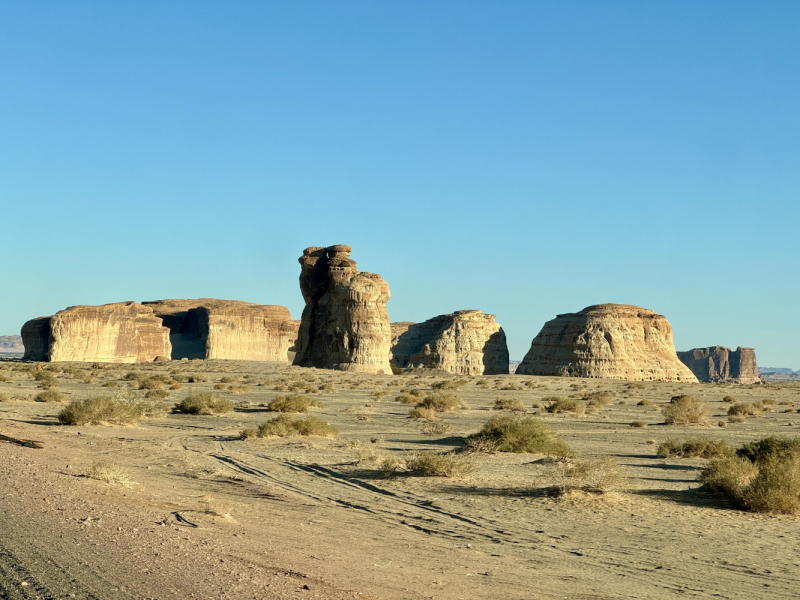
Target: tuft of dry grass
514, 404
436, 428
597, 475
108, 472
287, 426
639, 424
645, 403
731, 475
686, 410
429, 464
105, 410
752, 409
559, 405
509, 433
422, 412
407, 399
441, 402
694, 448
292, 403
204, 404
49, 396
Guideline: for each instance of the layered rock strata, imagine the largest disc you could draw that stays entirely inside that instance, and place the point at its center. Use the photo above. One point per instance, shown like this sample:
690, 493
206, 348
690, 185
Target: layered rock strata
613, 341
467, 342
123, 332
718, 364
227, 329
345, 324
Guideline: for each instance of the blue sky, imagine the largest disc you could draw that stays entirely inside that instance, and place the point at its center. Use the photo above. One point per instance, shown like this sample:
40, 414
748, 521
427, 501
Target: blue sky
522, 158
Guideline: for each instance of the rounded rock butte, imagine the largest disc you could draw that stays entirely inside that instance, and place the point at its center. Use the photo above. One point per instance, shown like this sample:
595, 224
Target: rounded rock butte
611, 341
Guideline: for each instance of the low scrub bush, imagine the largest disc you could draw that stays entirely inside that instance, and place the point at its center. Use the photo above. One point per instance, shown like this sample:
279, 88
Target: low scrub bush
746, 409
157, 395
204, 404
422, 412
106, 410
49, 396
108, 472
600, 398
435, 464
686, 410
597, 476
449, 384
770, 448
639, 424
509, 433
407, 399
237, 388
293, 403
441, 402
436, 428
694, 448
287, 426
514, 404
564, 405
645, 403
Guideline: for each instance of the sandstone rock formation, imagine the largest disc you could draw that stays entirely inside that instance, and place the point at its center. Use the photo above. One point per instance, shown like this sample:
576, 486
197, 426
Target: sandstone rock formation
613, 341
123, 332
466, 342
345, 324
227, 329
718, 364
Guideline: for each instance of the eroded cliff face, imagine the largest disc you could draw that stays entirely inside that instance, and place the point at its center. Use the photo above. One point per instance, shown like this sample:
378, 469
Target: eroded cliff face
718, 364
345, 324
123, 332
227, 329
36, 339
613, 341
467, 342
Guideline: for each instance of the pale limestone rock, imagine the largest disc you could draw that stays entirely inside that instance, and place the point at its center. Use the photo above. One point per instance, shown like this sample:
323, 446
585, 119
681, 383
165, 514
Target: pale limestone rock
123, 332
345, 324
467, 342
227, 329
613, 341
718, 364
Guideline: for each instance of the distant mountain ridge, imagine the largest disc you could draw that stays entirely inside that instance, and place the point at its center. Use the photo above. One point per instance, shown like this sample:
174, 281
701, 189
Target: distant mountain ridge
11, 344
781, 370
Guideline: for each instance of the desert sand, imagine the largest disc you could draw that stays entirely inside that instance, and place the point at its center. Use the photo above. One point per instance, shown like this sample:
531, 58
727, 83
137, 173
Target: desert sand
311, 517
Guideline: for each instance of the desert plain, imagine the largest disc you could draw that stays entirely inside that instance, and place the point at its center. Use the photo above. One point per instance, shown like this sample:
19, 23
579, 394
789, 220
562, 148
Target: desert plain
186, 508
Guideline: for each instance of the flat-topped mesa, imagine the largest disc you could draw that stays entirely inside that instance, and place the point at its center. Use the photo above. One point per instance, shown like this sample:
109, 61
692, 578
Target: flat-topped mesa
466, 342
718, 364
227, 329
345, 324
612, 341
123, 332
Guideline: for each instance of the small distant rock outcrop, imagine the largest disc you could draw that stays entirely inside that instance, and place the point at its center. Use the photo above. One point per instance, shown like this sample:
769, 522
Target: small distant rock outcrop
345, 324
11, 344
718, 364
123, 332
467, 342
613, 341
227, 329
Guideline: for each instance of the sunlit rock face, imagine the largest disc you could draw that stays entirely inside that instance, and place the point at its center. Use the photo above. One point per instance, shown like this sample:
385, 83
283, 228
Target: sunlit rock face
718, 364
467, 342
612, 341
345, 324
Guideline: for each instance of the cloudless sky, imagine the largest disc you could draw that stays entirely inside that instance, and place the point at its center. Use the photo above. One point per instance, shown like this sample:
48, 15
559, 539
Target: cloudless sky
522, 158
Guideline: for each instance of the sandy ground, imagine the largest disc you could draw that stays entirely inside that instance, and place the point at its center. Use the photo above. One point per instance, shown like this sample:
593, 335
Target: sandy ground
316, 518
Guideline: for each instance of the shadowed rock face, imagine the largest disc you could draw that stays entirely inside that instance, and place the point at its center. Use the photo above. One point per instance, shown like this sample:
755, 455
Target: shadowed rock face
345, 324
123, 332
466, 342
227, 329
718, 364
613, 341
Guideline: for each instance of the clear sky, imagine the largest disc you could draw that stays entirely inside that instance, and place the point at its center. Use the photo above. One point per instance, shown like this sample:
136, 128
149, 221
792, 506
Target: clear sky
522, 158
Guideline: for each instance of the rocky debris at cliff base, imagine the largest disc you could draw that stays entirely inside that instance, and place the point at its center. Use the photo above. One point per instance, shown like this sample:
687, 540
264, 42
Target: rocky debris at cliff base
718, 364
345, 324
612, 341
467, 342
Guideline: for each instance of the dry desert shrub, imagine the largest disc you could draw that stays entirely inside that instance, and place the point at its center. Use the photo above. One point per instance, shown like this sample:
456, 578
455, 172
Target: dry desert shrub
776, 487
736, 419
746, 409
407, 399
510, 433
559, 405
686, 410
204, 404
196, 379
600, 398
730, 475
4, 397
287, 426
694, 448
292, 403
770, 448
514, 404
429, 464
639, 424
106, 410
49, 396
598, 476
422, 412
108, 472
449, 384
436, 428
220, 386
157, 395
46, 380
237, 388
4, 378
151, 383
645, 403
110, 384
227, 379
441, 402
729, 399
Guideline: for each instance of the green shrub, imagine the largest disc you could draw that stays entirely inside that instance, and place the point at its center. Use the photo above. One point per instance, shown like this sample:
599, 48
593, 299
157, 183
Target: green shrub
293, 403
686, 410
287, 426
509, 433
102, 410
776, 487
770, 448
731, 475
694, 448
49, 396
441, 402
204, 404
